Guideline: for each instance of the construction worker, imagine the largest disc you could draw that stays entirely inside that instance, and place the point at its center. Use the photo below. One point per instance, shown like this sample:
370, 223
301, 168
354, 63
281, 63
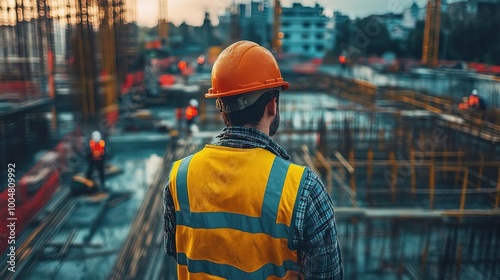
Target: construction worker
474, 100
477, 104
191, 113
96, 156
464, 105
239, 209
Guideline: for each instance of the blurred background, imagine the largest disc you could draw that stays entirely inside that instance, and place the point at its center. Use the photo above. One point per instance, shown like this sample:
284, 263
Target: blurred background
394, 103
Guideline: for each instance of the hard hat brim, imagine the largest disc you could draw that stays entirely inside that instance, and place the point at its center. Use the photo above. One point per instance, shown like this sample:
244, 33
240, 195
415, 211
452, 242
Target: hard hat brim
280, 83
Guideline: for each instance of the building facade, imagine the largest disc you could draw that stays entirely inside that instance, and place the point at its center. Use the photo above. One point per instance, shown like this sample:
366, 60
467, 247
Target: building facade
463, 10
307, 31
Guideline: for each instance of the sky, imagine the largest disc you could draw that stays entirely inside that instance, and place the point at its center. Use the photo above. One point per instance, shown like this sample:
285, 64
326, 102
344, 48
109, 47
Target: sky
193, 11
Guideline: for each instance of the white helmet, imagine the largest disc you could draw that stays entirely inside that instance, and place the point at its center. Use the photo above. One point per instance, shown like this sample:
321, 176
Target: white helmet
193, 102
96, 136
474, 92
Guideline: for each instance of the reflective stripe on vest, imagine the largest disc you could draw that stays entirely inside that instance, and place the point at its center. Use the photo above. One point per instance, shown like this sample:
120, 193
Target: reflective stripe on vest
235, 211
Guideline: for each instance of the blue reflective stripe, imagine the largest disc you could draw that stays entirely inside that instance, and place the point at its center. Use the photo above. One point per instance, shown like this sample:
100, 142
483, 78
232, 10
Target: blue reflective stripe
274, 189
294, 213
213, 220
181, 182
231, 272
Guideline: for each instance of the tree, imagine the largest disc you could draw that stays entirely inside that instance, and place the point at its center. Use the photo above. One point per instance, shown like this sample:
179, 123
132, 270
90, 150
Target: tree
415, 41
368, 36
476, 38
378, 38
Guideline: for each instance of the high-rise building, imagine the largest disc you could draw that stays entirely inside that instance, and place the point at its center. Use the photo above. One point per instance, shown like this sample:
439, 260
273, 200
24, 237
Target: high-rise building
307, 30
259, 14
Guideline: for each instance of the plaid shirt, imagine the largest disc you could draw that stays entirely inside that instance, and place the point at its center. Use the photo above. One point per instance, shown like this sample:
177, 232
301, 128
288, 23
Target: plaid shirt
315, 233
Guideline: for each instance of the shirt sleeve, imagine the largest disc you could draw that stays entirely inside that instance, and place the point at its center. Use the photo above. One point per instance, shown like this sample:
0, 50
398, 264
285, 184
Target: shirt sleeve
319, 248
169, 222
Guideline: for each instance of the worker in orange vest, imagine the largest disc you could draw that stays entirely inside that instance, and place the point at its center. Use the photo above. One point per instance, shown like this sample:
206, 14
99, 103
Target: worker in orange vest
191, 113
465, 104
96, 156
474, 100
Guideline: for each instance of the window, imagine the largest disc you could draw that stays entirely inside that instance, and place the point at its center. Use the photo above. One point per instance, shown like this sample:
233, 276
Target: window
306, 48
320, 48
320, 36
306, 24
320, 24
305, 36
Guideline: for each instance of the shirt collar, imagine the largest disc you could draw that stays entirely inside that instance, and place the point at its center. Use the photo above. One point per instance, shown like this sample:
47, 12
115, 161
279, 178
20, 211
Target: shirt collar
249, 137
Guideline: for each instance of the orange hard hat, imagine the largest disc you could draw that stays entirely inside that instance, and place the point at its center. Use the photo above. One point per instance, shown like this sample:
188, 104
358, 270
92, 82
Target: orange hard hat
244, 67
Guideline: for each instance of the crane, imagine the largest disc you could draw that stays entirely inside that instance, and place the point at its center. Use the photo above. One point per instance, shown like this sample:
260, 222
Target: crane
163, 22
430, 48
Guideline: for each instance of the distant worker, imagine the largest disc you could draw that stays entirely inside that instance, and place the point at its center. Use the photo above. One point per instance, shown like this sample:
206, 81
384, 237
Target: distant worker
343, 60
474, 100
239, 209
476, 103
191, 114
185, 69
200, 61
464, 105
96, 156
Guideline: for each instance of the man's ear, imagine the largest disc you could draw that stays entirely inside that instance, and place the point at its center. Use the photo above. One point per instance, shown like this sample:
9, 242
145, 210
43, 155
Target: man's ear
272, 107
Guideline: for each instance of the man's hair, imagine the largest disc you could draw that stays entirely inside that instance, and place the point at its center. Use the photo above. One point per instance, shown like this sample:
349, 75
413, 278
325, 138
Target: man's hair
252, 114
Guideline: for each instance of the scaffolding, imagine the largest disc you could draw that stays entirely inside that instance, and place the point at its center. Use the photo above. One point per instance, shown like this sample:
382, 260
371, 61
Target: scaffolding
415, 184
42, 39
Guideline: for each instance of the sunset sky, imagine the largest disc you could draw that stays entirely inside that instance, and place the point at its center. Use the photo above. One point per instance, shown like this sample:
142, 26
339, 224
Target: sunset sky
192, 11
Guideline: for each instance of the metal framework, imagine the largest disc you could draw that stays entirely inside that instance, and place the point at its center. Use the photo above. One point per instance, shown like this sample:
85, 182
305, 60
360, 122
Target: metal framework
430, 50
163, 22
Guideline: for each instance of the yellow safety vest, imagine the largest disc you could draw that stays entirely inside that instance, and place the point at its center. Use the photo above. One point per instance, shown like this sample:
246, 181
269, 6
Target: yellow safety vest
235, 213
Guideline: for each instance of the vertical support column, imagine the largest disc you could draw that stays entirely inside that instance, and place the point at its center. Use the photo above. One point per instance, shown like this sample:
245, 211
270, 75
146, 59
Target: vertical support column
497, 200
464, 189
108, 57
381, 135
412, 170
86, 66
4, 35
369, 171
163, 23
459, 165
459, 260
353, 175
431, 33
445, 160
42, 43
22, 40
481, 170
394, 175
431, 185
368, 242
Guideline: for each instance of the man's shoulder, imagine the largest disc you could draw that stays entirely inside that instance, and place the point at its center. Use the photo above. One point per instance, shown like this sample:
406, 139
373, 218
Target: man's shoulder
188, 157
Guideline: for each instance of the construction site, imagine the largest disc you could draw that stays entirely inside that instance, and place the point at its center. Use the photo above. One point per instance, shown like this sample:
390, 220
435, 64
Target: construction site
415, 182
